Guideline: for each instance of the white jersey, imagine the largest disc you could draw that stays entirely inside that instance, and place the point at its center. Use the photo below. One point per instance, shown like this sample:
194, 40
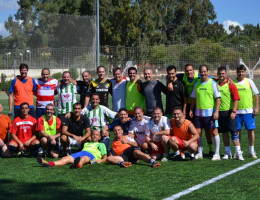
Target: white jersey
152, 128
138, 129
118, 94
98, 118
67, 96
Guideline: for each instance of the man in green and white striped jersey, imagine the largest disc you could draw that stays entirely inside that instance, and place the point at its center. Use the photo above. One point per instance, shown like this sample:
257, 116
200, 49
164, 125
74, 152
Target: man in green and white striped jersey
67, 94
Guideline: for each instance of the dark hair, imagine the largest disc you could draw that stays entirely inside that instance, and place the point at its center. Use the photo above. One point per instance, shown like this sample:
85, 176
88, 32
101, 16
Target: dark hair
117, 68
187, 65
100, 67
241, 67
221, 68
22, 66
77, 104
24, 103
95, 94
157, 108
122, 109
65, 72
177, 108
46, 69
131, 68
138, 107
203, 66
171, 67
117, 126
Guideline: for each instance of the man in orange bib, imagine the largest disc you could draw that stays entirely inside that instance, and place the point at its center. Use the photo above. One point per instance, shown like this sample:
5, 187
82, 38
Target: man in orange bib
185, 135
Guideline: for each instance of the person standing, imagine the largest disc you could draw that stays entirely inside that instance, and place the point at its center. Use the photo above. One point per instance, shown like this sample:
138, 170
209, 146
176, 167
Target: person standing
248, 106
83, 89
227, 114
22, 89
206, 96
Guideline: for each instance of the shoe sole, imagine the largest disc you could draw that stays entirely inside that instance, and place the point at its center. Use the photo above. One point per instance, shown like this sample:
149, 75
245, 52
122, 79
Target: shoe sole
41, 162
126, 164
156, 165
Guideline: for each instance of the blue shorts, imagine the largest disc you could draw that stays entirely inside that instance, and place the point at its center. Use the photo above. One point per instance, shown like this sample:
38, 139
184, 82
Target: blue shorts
247, 119
84, 153
204, 122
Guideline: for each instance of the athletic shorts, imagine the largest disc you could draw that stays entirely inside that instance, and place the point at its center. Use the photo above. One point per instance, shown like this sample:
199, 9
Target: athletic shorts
247, 119
27, 147
128, 154
84, 153
204, 122
73, 143
225, 123
181, 147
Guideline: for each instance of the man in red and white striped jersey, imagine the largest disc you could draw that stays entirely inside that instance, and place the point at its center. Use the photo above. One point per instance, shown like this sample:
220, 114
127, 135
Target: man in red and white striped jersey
45, 91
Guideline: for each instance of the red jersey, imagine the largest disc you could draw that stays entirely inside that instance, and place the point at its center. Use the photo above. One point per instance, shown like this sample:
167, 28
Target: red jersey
40, 124
24, 129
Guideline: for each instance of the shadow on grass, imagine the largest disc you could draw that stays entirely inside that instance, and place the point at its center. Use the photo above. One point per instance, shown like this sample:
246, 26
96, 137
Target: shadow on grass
51, 190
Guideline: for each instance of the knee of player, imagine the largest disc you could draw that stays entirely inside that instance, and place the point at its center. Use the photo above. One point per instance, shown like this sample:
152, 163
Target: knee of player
173, 140
193, 146
165, 138
64, 138
234, 136
44, 140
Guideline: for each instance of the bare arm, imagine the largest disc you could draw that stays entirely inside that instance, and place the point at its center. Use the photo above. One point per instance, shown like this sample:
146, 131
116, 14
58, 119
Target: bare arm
192, 104
126, 141
11, 99
87, 135
256, 109
165, 132
86, 101
234, 109
216, 114
103, 159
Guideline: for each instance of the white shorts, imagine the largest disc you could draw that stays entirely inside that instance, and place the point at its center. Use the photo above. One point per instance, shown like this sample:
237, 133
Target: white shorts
73, 143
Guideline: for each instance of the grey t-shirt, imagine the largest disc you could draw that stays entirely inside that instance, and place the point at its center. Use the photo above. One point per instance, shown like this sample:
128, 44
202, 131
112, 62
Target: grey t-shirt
152, 93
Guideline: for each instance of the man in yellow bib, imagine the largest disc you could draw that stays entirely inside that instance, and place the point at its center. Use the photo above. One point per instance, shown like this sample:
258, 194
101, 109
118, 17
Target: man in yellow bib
49, 127
206, 96
246, 110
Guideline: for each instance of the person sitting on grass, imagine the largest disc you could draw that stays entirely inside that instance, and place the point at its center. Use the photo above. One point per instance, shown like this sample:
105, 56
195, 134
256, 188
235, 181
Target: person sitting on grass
23, 131
49, 127
125, 151
185, 135
92, 152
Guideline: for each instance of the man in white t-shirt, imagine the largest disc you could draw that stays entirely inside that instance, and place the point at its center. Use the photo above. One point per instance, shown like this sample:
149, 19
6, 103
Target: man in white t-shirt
98, 117
157, 135
138, 127
118, 89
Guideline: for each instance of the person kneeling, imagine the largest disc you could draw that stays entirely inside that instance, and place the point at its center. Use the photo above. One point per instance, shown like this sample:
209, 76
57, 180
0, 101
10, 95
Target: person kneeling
92, 152
126, 151
185, 135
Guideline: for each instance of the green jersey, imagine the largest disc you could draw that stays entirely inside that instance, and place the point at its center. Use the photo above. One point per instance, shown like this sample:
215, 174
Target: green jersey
67, 96
96, 149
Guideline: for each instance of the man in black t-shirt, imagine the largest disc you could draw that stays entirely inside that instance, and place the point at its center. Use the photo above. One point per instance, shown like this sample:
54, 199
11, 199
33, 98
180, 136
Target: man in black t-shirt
101, 86
174, 98
83, 89
72, 129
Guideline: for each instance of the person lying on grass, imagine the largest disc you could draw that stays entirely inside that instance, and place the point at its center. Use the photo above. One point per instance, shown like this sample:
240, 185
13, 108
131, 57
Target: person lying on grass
92, 152
125, 151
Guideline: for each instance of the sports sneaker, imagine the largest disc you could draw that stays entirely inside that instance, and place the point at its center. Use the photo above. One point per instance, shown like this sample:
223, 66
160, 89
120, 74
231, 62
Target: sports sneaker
192, 157
155, 164
76, 164
252, 155
182, 155
240, 156
126, 164
226, 156
42, 162
216, 157
199, 156
164, 159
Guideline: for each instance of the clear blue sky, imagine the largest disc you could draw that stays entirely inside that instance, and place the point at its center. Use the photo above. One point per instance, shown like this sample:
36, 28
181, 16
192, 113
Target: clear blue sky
236, 12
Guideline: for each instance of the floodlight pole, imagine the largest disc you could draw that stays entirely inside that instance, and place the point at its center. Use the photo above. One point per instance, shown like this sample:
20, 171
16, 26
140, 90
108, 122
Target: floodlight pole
98, 41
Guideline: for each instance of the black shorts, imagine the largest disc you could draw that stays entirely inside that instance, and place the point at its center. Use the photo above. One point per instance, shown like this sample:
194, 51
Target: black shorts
128, 154
225, 123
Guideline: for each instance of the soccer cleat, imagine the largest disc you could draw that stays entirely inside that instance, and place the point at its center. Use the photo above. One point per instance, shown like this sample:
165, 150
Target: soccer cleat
192, 157
199, 156
252, 155
182, 155
126, 164
42, 162
216, 157
164, 159
20, 154
239, 156
76, 164
155, 164
226, 156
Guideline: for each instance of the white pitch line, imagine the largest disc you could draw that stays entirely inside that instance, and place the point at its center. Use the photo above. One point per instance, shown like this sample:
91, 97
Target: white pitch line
210, 181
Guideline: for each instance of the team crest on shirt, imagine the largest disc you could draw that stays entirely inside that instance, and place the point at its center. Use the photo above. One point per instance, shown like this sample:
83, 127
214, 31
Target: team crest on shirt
94, 120
66, 96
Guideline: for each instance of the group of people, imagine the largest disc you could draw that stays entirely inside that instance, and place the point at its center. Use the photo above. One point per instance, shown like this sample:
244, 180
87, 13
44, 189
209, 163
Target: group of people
143, 130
